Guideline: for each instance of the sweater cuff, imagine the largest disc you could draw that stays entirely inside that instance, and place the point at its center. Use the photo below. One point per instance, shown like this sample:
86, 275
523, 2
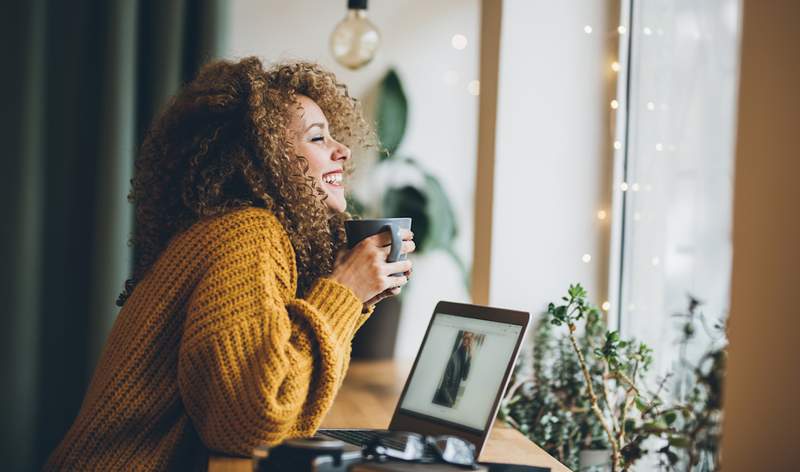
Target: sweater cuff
339, 303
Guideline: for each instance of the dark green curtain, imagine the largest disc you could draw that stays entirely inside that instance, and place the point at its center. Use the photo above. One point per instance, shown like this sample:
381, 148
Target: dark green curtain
81, 81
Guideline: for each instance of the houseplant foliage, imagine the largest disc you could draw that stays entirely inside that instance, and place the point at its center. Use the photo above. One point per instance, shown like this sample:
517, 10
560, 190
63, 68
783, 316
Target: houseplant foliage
587, 390
401, 185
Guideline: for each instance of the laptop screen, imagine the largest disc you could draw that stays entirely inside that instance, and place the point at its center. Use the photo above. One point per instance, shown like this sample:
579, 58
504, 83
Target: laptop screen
460, 368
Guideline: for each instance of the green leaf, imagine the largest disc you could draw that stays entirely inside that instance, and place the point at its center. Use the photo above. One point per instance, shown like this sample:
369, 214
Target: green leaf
670, 417
679, 441
392, 113
640, 404
399, 202
440, 211
630, 424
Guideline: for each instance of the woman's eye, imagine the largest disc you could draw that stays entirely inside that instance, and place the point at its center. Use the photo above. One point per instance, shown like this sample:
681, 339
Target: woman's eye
317, 138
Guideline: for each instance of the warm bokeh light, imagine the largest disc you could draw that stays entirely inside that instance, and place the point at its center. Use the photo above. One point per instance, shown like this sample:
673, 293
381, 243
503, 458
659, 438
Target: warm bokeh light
474, 87
459, 41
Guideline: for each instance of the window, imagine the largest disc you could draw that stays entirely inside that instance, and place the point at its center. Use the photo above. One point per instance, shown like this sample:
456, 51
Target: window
674, 166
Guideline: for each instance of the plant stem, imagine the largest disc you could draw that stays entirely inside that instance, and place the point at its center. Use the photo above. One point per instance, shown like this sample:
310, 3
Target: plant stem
615, 425
616, 461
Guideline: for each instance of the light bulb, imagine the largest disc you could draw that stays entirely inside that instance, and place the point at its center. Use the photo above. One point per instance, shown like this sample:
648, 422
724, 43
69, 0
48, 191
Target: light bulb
355, 39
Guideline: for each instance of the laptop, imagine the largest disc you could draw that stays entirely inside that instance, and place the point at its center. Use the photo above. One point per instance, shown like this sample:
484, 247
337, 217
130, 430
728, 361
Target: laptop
458, 378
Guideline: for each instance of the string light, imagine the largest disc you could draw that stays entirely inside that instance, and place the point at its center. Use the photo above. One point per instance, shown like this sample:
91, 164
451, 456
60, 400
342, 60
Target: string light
459, 41
637, 216
615, 66
474, 88
659, 147
587, 29
601, 215
614, 104
605, 306
586, 258
621, 29
651, 106
623, 186
647, 31
617, 145
655, 261
635, 187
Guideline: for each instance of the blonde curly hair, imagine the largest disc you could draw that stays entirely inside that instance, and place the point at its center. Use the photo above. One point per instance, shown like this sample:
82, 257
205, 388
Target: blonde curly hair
223, 143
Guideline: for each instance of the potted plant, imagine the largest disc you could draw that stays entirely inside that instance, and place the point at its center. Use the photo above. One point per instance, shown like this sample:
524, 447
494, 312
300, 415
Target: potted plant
586, 391
398, 185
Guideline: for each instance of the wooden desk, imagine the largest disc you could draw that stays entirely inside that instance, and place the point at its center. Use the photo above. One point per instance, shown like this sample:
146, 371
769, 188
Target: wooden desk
367, 400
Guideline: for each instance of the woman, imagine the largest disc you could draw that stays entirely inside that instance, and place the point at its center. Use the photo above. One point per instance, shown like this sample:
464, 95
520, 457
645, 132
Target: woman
237, 322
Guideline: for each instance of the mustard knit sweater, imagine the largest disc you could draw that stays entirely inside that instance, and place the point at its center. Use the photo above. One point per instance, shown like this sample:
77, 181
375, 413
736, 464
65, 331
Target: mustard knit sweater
214, 351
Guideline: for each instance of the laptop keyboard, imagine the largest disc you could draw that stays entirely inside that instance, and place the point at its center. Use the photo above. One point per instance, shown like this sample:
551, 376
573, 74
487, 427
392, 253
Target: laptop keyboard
361, 437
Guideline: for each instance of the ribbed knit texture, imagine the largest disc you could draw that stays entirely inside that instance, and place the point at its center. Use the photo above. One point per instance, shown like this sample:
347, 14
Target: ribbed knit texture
214, 351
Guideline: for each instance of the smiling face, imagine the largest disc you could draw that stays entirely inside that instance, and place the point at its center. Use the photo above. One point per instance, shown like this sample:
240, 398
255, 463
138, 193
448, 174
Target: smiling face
325, 155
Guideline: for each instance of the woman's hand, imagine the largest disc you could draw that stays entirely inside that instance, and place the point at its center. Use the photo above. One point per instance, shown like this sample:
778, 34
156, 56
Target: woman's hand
364, 269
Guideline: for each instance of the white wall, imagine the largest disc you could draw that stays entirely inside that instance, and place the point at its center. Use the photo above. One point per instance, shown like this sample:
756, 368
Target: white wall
442, 125
551, 161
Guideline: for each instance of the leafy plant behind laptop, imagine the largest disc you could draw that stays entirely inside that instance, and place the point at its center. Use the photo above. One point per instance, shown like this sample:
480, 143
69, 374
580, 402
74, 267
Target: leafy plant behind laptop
587, 390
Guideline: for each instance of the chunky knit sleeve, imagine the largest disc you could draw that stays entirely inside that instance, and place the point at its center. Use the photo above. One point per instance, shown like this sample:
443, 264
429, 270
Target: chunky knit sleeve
257, 365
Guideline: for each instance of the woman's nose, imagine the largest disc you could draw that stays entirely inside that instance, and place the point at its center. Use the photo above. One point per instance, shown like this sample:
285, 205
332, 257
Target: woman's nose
341, 153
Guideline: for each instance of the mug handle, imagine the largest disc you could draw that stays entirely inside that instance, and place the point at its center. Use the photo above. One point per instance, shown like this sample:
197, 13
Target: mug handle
397, 243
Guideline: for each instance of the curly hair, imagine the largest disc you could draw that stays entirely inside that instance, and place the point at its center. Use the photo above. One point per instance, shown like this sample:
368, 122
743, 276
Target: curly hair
222, 143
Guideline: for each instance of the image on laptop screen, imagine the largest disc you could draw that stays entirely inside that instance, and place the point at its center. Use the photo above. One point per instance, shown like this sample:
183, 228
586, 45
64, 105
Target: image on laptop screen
460, 368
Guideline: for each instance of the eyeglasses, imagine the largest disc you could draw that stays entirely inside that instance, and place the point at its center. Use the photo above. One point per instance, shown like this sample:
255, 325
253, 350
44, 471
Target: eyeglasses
406, 446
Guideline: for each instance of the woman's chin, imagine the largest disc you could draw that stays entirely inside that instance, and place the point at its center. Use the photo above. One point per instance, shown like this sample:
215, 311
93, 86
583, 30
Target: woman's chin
336, 204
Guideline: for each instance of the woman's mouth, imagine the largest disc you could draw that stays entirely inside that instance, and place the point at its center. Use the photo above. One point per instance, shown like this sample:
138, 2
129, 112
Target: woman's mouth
333, 178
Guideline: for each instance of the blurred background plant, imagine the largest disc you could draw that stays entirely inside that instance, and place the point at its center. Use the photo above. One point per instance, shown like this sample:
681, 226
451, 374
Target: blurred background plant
395, 185
586, 390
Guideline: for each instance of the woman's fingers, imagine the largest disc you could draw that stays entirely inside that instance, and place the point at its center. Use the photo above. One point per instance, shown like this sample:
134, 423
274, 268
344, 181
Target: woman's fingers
399, 267
408, 247
395, 282
384, 238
